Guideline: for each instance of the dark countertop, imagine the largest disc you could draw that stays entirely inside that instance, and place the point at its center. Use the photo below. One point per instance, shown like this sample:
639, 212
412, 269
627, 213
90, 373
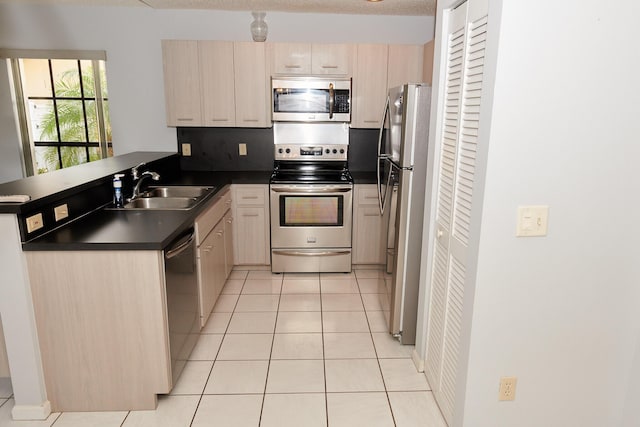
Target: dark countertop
60, 183
108, 229
364, 177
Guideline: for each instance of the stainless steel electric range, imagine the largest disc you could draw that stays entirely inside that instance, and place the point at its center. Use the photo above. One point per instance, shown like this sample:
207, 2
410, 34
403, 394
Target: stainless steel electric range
311, 197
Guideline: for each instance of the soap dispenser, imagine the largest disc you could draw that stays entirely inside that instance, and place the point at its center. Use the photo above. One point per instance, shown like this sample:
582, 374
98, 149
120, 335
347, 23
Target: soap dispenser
118, 198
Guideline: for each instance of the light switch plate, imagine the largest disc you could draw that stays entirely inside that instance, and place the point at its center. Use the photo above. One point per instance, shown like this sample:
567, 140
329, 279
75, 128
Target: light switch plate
61, 212
34, 222
532, 221
242, 149
186, 149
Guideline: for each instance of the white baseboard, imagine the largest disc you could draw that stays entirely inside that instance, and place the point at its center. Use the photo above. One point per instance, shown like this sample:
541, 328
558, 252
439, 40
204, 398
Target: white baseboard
31, 412
417, 360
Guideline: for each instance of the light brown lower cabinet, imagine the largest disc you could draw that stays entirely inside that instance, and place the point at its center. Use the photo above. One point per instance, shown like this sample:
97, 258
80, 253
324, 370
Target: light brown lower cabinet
212, 234
102, 327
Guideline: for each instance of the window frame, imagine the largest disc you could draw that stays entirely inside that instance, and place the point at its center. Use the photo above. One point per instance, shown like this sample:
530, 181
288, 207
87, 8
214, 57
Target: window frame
28, 140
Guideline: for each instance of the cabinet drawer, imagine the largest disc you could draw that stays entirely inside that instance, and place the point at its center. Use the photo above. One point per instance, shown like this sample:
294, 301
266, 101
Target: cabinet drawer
250, 196
368, 195
208, 219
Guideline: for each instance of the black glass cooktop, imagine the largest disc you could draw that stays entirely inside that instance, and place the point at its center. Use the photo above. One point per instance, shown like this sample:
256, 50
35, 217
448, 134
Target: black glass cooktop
311, 173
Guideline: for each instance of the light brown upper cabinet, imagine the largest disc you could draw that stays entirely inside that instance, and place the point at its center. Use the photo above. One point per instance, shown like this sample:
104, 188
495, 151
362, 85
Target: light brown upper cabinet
405, 64
307, 58
215, 83
251, 85
182, 82
369, 85
217, 77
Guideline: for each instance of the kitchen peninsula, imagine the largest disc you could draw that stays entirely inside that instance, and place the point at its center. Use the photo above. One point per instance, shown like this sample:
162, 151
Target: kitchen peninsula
133, 367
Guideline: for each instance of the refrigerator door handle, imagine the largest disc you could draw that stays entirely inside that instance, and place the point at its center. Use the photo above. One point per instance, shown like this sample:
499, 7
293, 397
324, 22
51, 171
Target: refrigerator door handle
381, 156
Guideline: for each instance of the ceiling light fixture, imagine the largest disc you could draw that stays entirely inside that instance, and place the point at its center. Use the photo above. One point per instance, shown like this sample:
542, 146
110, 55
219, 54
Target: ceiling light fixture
259, 27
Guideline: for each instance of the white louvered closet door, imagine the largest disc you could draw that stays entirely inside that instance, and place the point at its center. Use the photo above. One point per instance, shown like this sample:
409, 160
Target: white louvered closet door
458, 141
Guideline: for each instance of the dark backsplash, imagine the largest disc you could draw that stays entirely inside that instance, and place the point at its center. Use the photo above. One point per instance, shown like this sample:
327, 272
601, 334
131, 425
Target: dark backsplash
216, 149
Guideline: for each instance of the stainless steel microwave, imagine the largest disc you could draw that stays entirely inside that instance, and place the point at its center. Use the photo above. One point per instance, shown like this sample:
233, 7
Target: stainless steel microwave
310, 99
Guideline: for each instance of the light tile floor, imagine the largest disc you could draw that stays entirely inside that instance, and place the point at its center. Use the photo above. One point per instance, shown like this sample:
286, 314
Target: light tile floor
299, 350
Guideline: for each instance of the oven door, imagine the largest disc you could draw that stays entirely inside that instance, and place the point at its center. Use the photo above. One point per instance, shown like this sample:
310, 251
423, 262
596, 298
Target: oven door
311, 216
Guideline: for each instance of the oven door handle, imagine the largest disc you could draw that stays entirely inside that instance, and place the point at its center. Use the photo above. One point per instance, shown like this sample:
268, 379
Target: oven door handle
300, 253
310, 190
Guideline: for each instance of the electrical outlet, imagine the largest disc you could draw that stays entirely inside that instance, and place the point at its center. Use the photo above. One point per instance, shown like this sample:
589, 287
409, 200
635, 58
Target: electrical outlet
34, 222
186, 149
61, 212
532, 221
242, 149
507, 388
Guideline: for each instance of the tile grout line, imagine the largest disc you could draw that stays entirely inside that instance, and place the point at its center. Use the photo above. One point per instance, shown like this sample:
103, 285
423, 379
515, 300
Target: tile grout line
273, 337
193, 418
324, 358
375, 349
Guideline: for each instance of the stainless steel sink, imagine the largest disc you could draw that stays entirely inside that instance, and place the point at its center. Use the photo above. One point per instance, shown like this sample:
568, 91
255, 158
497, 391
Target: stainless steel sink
177, 191
163, 203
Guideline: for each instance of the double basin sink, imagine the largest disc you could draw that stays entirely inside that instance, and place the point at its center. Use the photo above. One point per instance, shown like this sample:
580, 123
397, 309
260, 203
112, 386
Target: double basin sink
169, 198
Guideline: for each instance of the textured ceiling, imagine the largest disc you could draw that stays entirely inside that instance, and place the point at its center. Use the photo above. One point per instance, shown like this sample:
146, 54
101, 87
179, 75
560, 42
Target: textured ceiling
360, 7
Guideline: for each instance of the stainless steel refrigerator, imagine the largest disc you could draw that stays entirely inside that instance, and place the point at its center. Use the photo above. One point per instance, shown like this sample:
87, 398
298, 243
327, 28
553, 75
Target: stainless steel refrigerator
402, 171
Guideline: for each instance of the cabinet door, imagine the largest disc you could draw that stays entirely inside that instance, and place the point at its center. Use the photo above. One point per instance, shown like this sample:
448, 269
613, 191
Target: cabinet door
251, 86
369, 228
217, 78
207, 277
228, 243
290, 58
250, 224
405, 64
181, 82
370, 86
332, 59
219, 258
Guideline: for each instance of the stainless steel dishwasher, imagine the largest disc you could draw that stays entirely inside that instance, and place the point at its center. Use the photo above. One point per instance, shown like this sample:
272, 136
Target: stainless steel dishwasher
182, 300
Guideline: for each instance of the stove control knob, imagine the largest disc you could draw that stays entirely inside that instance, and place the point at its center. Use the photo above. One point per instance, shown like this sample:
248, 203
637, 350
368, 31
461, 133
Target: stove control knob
288, 150
280, 150
342, 151
327, 151
335, 151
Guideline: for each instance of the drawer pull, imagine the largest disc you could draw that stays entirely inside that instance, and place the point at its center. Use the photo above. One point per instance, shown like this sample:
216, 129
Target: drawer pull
250, 215
182, 119
249, 197
330, 66
292, 66
249, 120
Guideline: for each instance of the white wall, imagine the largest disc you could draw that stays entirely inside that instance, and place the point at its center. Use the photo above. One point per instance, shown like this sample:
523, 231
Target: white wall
560, 312
131, 38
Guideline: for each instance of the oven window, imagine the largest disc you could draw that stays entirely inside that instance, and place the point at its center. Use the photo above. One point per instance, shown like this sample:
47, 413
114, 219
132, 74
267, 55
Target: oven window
316, 211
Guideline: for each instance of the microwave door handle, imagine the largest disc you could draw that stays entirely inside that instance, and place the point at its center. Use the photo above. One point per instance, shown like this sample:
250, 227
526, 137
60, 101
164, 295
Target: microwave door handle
332, 100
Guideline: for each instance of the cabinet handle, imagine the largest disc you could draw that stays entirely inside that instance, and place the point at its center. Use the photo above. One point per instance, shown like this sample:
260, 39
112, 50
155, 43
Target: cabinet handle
184, 120
292, 66
219, 233
372, 214
208, 248
230, 220
249, 197
250, 215
252, 120
219, 120
330, 66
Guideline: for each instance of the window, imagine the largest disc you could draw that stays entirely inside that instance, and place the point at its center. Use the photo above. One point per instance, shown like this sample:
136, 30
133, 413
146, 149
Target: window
64, 108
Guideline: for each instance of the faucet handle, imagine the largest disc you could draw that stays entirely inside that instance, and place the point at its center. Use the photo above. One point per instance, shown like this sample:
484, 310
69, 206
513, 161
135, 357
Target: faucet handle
134, 170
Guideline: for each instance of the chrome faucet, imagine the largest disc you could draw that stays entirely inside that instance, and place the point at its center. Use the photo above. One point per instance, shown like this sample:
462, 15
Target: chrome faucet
138, 178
